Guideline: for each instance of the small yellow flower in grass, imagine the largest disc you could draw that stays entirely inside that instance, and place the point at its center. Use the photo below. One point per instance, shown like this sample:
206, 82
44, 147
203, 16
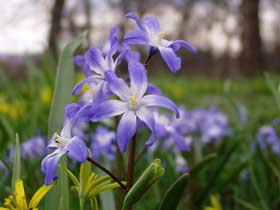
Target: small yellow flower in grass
18, 200
178, 91
17, 109
46, 96
215, 203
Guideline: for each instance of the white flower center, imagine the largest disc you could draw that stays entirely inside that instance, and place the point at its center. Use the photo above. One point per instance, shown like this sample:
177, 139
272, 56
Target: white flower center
133, 101
158, 38
60, 141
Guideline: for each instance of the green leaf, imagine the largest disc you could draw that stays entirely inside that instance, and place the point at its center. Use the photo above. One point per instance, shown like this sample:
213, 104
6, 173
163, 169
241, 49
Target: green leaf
246, 204
273, 89
84, 176
258, 191
201, 165
146, 180
63, 85
16, 167
275, 170
61, 97
226, 151
232, 175
173, 195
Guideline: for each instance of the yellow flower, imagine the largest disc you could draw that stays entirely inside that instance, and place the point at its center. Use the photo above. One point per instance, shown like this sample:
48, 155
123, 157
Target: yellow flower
4, 106
46, 96
178, 91
18, 200
215, 203
13, 110
16, 109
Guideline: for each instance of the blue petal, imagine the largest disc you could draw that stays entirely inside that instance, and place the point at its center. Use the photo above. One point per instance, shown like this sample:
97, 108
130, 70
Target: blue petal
153, 90
49, 166
101, 92
117, 85
138, 78
152, 26
79, 60
160, 101
170, 58
185, 44
180, 142
132, 56
78, 87
126, 129
77, 149
86, 70
134, 17
136, 37
85, 113
114, 36
96, 61
147, 117
108, 109
71, 110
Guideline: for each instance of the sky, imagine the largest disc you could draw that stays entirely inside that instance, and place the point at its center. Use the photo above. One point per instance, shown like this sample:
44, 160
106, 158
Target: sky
25, 25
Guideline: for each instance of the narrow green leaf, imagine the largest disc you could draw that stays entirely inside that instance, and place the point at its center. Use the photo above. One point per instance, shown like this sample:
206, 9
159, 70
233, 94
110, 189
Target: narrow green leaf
61, 97
246, 204
232, 176
63, 85
227, 152
275, 170
107, 198
84, 176
73, 178
173, 195
16, 166
152, 174
257, 189
273, 89
201, 165
100, 181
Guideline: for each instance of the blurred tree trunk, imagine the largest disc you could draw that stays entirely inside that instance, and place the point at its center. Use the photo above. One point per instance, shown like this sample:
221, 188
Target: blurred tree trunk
185, 18
88, 11
55, 27
125, 6
251, 54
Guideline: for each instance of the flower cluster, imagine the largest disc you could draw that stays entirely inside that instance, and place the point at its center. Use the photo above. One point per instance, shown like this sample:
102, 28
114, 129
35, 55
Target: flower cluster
108, 94
267, 137
201, 125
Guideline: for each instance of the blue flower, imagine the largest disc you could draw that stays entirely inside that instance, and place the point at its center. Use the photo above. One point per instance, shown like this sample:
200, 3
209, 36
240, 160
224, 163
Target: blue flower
266, 135
33, 147
149, 33
103, 142
181, 165
96, 62
214, 126
165, 128
63, 143
133, 104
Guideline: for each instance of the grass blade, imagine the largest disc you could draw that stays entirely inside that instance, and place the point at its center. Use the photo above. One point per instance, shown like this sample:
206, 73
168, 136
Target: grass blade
173, 195
245, 204
61, 97
16, 167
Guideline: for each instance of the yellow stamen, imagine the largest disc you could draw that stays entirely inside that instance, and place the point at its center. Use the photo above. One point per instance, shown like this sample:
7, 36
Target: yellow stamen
159, 37
133, 100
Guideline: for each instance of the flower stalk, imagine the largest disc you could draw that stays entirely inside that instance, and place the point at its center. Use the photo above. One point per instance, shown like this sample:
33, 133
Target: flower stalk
107, 172
131, 164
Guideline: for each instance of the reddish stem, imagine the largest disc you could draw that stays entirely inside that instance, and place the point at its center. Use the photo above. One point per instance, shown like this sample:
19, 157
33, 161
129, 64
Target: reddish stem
131, 163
